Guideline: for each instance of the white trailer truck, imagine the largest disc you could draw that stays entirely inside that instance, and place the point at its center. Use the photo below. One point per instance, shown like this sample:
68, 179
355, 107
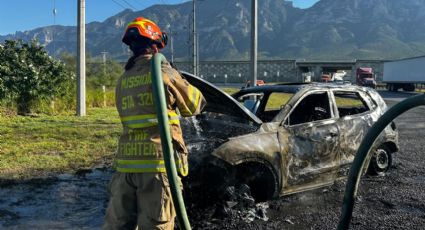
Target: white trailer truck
404, 73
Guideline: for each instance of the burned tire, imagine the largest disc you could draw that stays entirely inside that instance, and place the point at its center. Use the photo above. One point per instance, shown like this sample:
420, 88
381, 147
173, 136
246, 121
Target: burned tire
260, 178
380, 162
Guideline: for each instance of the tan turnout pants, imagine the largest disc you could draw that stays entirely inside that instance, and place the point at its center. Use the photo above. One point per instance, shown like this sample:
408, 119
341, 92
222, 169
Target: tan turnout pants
141, 200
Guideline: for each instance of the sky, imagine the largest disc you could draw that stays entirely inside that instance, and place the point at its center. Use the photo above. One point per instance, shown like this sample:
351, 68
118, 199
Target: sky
21, 15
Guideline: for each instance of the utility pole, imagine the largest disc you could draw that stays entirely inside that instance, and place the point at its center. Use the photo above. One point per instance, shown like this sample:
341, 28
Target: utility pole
170, 33
53, 28
172, 46
195, 58
81, 62
254, 41
198, 67
104, 62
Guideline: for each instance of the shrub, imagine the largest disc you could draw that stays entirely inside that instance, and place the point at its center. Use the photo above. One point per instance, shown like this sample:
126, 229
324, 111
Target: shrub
28, 74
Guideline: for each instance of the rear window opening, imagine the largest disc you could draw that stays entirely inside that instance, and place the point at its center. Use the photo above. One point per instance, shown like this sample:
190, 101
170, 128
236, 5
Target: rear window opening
350, 103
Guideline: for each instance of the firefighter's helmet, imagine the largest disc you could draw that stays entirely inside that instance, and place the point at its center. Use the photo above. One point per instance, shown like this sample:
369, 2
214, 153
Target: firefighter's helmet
145, 28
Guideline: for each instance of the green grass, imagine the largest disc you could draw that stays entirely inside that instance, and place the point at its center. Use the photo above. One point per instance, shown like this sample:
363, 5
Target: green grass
347, 102
277, 100
230, 91
37, 146
46, 145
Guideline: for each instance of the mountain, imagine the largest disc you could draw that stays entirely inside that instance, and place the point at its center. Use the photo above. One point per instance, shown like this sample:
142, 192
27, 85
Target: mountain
360, 29
330, 29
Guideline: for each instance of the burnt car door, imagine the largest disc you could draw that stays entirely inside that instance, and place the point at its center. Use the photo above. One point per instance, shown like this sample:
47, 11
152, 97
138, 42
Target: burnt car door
355, 112
311, 134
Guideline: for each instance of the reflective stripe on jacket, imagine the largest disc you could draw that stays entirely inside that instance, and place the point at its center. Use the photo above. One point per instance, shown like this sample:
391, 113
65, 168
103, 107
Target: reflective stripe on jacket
147, 120
143, 166
139, 147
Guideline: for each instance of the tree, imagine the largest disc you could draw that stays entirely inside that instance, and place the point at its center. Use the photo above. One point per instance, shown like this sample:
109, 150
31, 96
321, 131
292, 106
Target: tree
2, 86
97, 72
2, 89
100, 74
28, 73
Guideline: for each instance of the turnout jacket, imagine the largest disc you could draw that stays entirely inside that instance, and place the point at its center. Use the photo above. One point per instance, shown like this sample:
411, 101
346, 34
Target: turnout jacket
139, 147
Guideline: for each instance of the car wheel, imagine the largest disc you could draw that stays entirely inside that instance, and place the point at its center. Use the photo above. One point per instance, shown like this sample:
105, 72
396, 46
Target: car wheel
380, 162
260, 178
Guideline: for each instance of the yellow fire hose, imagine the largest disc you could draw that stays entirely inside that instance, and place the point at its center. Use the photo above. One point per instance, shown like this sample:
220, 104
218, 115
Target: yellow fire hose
167, 147
367, 143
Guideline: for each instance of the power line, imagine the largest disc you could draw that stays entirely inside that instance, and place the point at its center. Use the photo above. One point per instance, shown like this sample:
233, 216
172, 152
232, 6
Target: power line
119, 4
139, 6
131, 6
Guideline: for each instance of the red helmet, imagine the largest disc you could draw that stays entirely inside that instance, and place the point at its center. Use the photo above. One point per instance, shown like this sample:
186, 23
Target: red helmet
145, 28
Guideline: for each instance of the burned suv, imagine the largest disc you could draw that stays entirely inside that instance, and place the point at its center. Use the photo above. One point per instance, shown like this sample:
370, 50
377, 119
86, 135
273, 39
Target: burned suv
286, 138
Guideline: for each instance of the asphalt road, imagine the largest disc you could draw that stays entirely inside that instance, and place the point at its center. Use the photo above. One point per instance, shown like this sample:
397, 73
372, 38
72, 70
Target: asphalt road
392, 97
394, 201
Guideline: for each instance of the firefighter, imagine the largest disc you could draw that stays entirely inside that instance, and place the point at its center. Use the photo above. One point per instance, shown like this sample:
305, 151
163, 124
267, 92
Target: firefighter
140, 194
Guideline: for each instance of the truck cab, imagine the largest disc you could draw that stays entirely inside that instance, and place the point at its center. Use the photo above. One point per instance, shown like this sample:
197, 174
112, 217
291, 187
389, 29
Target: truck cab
365, 77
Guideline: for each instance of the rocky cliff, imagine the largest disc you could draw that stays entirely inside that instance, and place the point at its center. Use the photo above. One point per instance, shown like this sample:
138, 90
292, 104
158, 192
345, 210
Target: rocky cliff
330, 29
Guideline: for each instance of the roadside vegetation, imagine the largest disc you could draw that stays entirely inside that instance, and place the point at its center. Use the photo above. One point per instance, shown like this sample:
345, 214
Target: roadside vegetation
39, 132
29, 74
39, 146
32, 82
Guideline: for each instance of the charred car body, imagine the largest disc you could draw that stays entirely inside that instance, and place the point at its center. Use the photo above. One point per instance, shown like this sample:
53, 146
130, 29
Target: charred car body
283, 139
